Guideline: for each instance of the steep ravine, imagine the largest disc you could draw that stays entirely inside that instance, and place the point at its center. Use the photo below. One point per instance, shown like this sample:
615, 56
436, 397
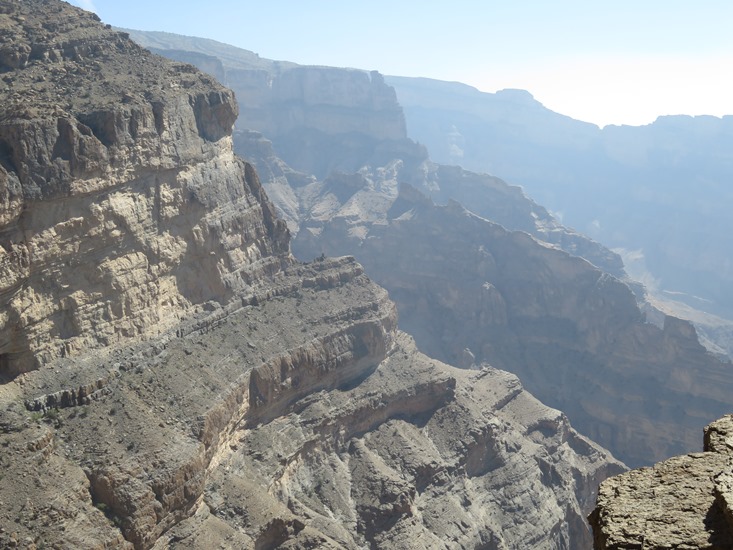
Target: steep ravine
471, 291
172, 378
468, 290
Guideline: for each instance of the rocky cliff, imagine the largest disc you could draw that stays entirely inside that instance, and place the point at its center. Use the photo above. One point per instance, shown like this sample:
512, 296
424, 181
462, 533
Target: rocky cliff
608, 183
470, 291
683, 502
301, 109
112, 224
172, 378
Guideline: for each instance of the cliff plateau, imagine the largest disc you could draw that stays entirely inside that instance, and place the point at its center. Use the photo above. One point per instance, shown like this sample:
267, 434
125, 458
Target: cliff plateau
172, 378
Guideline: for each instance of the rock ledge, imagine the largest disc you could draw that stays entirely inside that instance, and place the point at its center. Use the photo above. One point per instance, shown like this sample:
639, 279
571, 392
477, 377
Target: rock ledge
683, 502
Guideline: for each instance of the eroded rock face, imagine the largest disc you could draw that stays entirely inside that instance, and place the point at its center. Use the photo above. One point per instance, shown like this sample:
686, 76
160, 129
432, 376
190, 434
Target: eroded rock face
300, 124
173, 379
471, 291
295, 416
122, 202
683, 502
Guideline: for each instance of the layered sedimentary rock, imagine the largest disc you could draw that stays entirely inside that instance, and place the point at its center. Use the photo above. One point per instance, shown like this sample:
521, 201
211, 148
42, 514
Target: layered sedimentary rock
112, 223
300, 419
471, 291
683, 502
172, 378
301, 121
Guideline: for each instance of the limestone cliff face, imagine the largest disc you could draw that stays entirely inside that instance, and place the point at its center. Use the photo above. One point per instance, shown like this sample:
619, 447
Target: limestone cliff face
122, 202
303, 110
335, 101
683, 502
171, 378
471, 291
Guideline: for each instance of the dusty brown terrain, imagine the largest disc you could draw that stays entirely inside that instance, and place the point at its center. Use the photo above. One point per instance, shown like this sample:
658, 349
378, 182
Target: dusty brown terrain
467, 290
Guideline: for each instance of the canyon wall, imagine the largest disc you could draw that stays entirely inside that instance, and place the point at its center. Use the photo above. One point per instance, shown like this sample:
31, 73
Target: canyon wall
113, 225
173, 378
471, 291
528, 295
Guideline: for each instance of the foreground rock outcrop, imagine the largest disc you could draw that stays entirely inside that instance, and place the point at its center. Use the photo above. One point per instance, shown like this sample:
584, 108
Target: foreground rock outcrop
683, 502
112, 224
172, 378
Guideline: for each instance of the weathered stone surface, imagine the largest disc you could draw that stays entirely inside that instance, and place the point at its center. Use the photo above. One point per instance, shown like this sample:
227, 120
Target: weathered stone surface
571, 332
470, 292
193, 386
284, 422
683, 502
112, 224
363, 127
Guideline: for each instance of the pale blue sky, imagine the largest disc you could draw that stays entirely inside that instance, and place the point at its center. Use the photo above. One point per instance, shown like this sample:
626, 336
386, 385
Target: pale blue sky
618, 62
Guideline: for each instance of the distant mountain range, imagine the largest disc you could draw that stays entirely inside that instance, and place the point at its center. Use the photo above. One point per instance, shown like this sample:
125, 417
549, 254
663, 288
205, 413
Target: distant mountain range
659, 194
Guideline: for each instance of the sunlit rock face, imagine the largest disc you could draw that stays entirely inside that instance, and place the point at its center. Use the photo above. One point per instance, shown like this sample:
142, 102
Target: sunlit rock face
682, 502
123, 204
172, 378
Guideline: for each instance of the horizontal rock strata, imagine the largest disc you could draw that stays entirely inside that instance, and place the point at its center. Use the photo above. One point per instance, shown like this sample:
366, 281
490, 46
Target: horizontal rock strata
122, 202
304, 418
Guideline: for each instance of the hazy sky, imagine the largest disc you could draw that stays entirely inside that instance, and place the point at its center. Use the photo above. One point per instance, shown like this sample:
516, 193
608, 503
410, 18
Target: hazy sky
621, 62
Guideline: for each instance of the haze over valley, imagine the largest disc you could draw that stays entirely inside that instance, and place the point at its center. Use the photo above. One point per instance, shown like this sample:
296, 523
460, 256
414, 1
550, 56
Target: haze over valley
259, 303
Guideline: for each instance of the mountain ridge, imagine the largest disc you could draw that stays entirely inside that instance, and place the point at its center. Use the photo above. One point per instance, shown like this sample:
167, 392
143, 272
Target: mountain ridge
630, 187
